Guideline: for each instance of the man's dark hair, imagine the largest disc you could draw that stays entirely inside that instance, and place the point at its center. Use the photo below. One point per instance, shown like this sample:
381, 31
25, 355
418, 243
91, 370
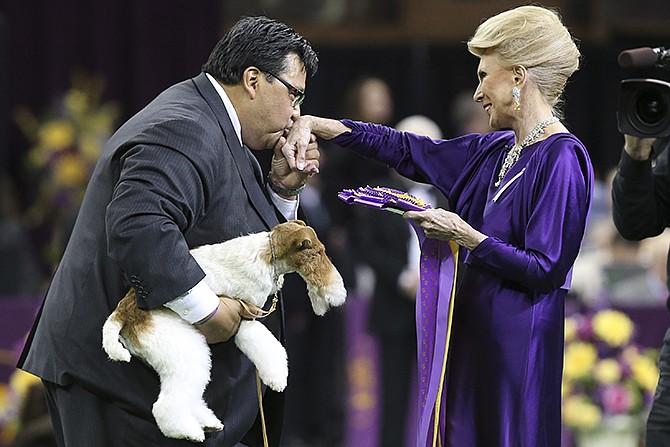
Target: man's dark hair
260, 42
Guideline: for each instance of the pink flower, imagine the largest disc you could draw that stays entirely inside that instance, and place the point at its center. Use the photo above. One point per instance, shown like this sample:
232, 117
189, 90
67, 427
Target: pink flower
616, 399
584, 328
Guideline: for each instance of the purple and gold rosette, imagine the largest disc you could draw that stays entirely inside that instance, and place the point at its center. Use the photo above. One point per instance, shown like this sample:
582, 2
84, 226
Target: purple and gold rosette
383, 198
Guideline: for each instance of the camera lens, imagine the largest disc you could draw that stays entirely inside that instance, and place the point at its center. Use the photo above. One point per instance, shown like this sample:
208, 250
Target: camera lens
644, 108
651, 107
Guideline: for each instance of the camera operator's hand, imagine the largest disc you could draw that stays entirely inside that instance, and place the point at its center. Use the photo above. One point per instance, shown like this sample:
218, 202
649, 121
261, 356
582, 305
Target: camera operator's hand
638, 148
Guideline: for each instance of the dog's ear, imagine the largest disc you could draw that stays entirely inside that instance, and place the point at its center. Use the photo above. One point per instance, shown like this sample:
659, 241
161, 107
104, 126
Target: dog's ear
303, 238
293, 237
289, 226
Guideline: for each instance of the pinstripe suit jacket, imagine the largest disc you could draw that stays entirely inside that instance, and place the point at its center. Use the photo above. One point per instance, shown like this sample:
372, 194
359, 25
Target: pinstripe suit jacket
172, 177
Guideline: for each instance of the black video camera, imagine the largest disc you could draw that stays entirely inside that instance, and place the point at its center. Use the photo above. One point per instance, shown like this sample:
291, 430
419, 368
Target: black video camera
644, 104
644, 108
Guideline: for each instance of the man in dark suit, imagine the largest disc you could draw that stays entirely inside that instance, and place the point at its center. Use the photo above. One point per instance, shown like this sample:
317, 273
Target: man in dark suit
177, 175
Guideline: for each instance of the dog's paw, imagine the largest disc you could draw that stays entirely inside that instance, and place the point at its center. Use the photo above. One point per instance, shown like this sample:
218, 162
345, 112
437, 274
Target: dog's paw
274, 374
189, 430
177, 424
213, 427
275, 384
208, 420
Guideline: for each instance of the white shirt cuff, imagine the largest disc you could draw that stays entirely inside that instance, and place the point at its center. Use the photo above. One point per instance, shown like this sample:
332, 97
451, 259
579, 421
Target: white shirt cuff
288, 208
195, 304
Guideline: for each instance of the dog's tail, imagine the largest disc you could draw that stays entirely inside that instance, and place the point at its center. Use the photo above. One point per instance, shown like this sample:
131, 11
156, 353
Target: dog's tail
111, 343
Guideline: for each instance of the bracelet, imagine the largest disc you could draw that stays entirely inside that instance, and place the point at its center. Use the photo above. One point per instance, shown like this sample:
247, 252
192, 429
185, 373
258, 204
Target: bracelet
208, 317
276, 187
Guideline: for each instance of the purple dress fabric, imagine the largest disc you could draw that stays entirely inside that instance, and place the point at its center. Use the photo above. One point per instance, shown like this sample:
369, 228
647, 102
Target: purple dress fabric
501, 384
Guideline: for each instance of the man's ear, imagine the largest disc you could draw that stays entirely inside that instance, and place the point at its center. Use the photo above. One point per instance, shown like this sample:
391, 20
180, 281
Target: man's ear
250, 80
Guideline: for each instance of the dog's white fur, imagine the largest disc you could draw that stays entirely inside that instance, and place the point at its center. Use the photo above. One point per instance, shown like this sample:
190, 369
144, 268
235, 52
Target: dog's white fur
243, 268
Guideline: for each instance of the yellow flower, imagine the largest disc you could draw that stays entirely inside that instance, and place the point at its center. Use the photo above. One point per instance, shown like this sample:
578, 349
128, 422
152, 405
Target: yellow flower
66, 145
580, 414
613, 327
90, 147
580, 358
76, 102
607, 371
570, 329
38, 157
70, 171
4, 397
56, 135
566, 389
645, 372
21, 381
102, 122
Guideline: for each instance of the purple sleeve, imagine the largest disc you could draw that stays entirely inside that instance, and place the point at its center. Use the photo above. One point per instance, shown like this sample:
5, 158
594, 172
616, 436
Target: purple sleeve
417, 157
559, 199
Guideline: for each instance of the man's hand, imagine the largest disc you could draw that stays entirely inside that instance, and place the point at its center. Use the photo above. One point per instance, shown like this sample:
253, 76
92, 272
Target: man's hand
637, 147
281, 172
224, 323
297, 144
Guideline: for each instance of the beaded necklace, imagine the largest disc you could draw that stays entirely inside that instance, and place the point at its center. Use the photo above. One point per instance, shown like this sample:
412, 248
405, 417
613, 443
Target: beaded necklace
514, 153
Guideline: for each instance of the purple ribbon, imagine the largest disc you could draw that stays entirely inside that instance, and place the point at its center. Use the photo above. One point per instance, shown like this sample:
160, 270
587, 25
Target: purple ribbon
433, 307
433, 318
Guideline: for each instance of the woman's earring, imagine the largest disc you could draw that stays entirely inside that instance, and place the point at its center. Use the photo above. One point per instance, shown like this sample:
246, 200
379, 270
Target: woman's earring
516, 94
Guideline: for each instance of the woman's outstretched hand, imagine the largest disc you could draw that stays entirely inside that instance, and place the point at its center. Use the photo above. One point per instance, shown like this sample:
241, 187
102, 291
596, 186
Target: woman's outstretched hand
438, 223
296, 148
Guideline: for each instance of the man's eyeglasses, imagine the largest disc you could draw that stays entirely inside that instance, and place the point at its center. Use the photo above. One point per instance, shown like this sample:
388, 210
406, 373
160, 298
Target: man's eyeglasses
298, 95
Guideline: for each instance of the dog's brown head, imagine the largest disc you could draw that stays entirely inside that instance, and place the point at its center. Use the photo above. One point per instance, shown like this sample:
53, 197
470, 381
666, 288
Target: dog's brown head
298, 249
296, 243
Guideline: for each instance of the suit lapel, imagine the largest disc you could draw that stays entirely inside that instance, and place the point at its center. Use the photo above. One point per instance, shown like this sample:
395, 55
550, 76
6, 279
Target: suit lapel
241, 156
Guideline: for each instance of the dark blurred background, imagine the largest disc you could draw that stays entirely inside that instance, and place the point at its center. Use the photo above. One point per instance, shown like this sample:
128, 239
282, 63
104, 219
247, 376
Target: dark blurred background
417, 46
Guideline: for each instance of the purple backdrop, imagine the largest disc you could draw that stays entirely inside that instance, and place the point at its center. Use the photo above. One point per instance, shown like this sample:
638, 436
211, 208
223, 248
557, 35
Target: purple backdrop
16, 318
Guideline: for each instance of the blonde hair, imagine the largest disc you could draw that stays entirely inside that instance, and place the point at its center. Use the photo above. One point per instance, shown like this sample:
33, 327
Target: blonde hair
534, 37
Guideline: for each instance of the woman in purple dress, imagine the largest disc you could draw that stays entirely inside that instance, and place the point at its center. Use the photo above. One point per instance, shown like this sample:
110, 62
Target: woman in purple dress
491, 341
